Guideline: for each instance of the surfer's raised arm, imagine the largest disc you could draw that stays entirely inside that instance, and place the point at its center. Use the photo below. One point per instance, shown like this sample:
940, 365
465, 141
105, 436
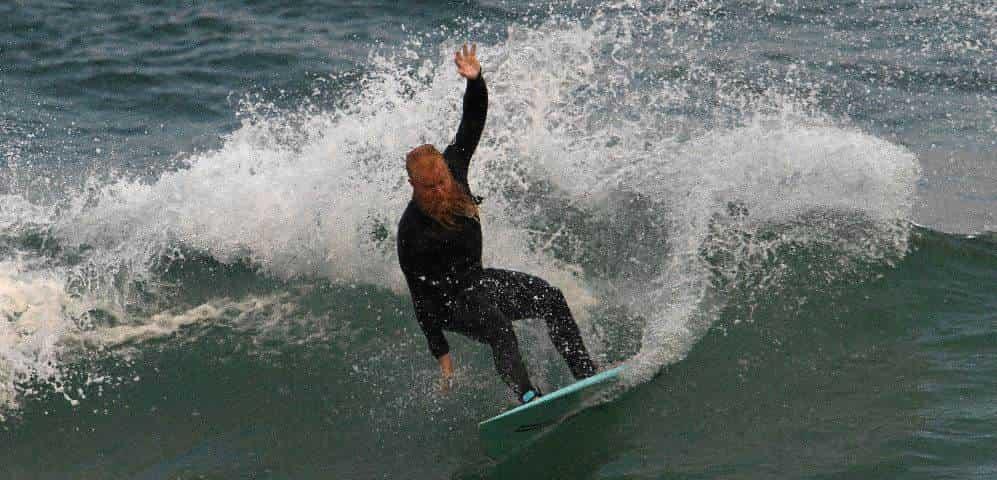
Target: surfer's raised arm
472, 121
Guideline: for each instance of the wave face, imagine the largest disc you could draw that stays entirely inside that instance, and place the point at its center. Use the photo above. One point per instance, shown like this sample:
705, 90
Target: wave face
676, 188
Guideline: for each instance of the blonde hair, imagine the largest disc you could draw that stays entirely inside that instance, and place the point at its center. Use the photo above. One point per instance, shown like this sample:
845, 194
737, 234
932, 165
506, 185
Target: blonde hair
455, 200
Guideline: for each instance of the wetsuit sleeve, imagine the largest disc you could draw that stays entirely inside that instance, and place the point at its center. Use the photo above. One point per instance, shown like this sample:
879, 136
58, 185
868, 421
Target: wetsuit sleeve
426, 311
472, 123
438, 345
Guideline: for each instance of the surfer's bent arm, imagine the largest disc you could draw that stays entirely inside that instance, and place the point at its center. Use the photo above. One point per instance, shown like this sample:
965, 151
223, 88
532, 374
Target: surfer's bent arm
438, 347
472, 121
431, 327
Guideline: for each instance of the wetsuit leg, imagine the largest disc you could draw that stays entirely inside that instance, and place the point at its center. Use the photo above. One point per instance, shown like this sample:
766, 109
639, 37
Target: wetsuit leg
479, 319
518, 295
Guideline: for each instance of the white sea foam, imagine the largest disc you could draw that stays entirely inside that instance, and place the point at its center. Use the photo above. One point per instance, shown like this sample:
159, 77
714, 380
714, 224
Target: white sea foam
35, 315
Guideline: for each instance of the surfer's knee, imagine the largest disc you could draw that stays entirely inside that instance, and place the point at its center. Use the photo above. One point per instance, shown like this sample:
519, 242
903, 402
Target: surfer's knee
555, 296
551, 303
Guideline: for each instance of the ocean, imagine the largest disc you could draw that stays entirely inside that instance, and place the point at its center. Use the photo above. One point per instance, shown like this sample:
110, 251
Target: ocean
781, 216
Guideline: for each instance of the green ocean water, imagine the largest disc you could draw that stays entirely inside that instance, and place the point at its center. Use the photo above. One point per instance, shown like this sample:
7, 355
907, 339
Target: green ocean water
780, 216
888, 378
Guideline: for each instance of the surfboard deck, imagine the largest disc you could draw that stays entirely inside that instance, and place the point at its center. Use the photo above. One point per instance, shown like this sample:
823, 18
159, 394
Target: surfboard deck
509, 431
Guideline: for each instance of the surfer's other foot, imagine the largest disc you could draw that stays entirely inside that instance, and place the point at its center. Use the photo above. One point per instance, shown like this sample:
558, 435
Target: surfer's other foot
530, 396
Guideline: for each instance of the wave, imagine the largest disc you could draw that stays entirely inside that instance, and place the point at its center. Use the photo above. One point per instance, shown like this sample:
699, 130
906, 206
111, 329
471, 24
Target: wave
632, 174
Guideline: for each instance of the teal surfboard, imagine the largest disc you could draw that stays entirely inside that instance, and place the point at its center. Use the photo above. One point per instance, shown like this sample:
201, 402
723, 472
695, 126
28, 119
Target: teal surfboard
516, 428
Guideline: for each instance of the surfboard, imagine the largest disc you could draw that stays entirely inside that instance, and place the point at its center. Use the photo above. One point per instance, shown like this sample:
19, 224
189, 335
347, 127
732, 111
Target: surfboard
520, 426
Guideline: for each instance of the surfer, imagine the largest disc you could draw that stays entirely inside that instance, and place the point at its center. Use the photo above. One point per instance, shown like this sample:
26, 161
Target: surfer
439, 249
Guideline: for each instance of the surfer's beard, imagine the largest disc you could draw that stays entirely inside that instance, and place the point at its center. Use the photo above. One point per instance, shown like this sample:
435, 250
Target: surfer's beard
446, 206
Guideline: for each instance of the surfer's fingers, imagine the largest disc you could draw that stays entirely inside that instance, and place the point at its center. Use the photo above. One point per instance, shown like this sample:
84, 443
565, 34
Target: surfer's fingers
474, 49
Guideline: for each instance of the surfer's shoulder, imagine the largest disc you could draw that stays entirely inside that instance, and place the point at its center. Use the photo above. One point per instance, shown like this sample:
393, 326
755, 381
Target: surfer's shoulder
411, 218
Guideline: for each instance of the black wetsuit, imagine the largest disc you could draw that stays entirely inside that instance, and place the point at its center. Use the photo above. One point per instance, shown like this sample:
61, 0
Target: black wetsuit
450, 289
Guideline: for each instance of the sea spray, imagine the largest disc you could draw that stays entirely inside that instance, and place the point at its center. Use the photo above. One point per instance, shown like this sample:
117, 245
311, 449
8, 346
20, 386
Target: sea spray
592, 131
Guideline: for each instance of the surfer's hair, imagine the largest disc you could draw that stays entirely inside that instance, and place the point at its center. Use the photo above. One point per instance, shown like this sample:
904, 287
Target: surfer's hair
453, 201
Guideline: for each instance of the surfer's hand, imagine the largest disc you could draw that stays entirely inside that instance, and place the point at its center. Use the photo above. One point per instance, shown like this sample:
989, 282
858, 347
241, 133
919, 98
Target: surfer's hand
446, 369
467, 62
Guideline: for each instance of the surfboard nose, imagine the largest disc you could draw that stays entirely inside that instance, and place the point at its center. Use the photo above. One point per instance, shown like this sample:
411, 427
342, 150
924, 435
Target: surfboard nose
515, 429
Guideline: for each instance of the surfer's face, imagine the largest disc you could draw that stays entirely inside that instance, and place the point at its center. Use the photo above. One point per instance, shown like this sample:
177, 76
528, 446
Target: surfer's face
429, 178
434, 189
432, 183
